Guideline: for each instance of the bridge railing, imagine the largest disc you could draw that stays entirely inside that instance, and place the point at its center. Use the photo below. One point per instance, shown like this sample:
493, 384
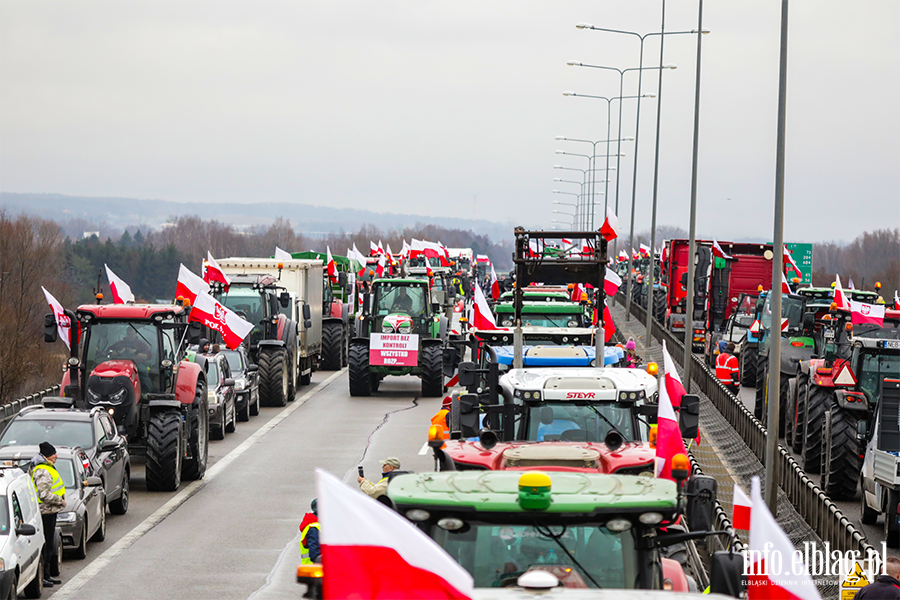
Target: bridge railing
8, 411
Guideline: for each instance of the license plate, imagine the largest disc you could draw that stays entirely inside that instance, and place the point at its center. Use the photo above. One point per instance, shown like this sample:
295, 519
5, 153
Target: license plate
829, 334
892, 344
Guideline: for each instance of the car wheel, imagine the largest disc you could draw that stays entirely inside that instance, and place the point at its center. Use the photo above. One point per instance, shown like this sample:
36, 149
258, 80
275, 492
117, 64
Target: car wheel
254, 408
56, 559
230, 426
217, 431
36, 587
14, 587
80, 552
244, 413
119, 506
100, 534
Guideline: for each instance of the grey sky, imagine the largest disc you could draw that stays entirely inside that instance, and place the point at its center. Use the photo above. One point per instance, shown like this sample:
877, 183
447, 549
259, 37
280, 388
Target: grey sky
421, 106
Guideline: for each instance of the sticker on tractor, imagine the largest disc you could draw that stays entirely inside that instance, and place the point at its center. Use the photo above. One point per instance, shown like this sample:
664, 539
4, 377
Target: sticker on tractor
394, 350
845, 376
784, 323
755, 327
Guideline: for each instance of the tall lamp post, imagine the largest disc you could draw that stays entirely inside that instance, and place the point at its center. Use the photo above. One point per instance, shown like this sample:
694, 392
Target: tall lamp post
594, 155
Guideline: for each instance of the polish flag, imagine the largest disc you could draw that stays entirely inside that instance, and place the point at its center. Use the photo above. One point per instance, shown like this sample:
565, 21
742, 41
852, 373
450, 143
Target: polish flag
370, 551
121, 293
390, 255
428, 272
785, 286
668, 436
623, 256
839, 298
380, 247
610, 228
789, 262
850, 283
379, 270
609, 326
717, 250
740, 503
634, 254
331, 266
373, 249
189, 285
896, 301
281, 255
533, 248
767, 539
445, 254
612, 283
674, 386
63, 323
207, 311
481, 312
645, 250
495, 285
405, 250
214, 272
862, 313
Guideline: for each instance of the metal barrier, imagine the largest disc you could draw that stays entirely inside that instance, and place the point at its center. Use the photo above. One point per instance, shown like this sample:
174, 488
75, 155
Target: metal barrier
8, 411
816, 508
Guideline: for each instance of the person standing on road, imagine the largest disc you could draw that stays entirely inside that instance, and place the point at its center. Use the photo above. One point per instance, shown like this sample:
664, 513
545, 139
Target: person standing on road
52, 498
389, 467
885, 587
727, 369
310, 551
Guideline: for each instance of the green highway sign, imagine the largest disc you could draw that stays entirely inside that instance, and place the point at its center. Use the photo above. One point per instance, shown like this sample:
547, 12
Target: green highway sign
803, 256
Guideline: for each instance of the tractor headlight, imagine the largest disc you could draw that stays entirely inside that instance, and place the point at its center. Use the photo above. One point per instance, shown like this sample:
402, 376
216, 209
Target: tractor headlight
405, 327
118, 396
94, 396
387, 327
573, 323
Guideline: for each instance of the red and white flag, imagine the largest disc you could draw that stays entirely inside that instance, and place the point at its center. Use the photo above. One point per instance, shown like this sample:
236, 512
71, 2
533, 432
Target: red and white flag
189, 285
862, 313
330, 265
63, 323
790, 264
121, 292
610, 228
380, 247
896, 301
214, 273
634, 254
428, 272
481, 317
839, 298
405, 250
370, 551
717, 250
612, 283
356, 256
207, 311
645, 250
495, 285
674, 386
445, 255
566, 242
390, 255
665, 252
382, 261
373, 249
741, 505
668, 436
281, 255
785, 286
776, 569
850, 285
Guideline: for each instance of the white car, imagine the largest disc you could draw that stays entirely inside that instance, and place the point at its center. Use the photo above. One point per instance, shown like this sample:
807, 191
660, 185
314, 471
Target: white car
21, 535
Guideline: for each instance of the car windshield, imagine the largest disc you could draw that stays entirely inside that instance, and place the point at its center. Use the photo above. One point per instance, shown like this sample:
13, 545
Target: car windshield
497, 553
235, 360
874, 368
542, 320
134, 341
248, 304
64, 434
400, 298
792, 308
582, 422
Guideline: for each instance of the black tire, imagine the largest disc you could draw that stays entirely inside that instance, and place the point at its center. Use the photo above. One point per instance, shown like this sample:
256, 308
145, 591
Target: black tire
748, 367
332, 346
230, 427
801, 388
273, 376
868, 516
789, 405
36, 587
217, 430
784, 384
659, 305
376, 381
195, 468
842, 465
119, 506
57, 558
345, 347
254, 408
432, 372
164, 451
360, 378
243, 413
80, 552
759, 408
819, 400
100, 534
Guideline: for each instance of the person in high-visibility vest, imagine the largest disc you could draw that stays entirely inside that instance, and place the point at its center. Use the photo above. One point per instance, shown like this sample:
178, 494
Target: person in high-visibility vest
51, 493
310, 551
727, 369
442, 416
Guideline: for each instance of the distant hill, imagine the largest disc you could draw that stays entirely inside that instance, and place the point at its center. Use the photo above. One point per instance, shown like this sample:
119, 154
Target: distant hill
115, 214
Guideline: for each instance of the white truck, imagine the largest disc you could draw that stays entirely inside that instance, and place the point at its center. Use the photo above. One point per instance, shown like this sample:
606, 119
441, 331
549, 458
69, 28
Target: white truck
283, 300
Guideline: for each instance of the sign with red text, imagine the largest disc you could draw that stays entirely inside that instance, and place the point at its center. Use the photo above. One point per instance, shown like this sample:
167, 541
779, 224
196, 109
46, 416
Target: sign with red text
394, 350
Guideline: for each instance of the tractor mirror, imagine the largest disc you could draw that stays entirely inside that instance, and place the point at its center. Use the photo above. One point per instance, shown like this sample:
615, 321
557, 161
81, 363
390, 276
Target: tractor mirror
342, 279
307, 312
726, 574
547, 415
468, 403
702, 491
284, 299
307, 323
435, 307
650, 411
862, 429
689, 416
467, 374
684, 278
51, 333
194, 332
228, 382
449, 360
252, 368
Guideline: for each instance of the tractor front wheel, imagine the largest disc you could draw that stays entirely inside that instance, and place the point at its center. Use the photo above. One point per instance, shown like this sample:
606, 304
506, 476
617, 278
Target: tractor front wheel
332, 346
360, 379
163, 469
432, 372
273, 376
748, 367
195, 467
819, 400
842, 465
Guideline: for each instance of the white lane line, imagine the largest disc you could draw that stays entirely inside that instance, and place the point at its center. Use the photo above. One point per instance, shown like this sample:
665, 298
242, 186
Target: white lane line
86, 574
424, 449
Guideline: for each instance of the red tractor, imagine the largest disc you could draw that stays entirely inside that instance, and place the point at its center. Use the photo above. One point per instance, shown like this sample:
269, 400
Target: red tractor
132, 364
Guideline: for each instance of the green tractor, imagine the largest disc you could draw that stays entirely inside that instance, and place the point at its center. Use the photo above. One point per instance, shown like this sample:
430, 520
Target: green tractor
399, 332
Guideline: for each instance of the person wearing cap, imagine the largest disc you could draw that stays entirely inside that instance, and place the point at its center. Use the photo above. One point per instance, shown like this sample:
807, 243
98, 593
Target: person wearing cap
52, 499
389, 467
442, 417
310, 551
727, 368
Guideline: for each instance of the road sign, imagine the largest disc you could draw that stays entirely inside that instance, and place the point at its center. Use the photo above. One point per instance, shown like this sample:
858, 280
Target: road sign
855, 580
803, 256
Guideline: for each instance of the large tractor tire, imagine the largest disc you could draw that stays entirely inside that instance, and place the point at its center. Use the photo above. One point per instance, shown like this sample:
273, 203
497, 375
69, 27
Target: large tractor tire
759, 408
784, 391
360, 379
819, 400
432, 373
195, 467
659, 306
748, 367
842, 465
163, 469
801, 387
345, 346
274, 376
332, 346
789, 405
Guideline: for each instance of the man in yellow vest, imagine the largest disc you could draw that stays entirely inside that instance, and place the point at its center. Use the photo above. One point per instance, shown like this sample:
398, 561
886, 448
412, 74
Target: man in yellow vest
51, 495
310, 551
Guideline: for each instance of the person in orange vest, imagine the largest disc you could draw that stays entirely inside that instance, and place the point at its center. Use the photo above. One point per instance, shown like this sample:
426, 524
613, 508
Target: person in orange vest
727, 370
442, 417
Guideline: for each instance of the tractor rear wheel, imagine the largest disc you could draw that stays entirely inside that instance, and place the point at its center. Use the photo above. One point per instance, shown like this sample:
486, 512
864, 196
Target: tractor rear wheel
789, 404
659, 305
332, 345
432, 371
164, 451
273, 376
818, 401
345, 346
784, 390
842, 465
748, 367
360, 378
801, 388
195, 467
759, 409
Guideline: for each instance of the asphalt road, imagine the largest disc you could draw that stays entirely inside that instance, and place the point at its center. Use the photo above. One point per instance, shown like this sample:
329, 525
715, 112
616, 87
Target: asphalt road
235, 533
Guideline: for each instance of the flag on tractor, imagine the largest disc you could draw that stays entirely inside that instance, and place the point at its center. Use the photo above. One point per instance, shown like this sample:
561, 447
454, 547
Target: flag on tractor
741, 505
63, 322
668, 434
189, 285
121, 292
495, 285
481, 317
330, 265
717, 251
214, 273
645, 250
612, 283
790, 264
610, 228
862, 313
839, 298
281, 255
207, 311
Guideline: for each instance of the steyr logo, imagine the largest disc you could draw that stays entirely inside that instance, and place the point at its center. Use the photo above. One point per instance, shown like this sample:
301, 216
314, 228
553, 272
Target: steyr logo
580, 395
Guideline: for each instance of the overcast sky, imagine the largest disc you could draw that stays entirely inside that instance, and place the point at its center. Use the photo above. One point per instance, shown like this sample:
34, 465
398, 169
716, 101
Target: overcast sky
446, 108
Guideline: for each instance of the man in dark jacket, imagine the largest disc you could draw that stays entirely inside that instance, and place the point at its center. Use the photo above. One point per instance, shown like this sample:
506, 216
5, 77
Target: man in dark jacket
310, 551
885, 587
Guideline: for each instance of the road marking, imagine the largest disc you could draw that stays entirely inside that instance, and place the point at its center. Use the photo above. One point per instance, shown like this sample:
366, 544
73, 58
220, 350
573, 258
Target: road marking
85, 575
424, 449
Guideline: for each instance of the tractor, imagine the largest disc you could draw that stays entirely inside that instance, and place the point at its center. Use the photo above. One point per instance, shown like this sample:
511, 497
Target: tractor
399, 332
132, 364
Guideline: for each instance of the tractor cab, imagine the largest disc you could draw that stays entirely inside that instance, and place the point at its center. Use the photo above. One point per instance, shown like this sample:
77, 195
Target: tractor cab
552, 314
261, 301
401, 306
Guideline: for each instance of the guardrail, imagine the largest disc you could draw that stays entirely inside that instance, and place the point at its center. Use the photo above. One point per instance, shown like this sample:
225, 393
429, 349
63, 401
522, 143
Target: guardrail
8, 411
813, 505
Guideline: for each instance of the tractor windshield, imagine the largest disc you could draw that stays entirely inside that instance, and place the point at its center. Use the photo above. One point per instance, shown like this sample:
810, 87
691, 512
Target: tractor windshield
743, 312
123, 340
400, 298
496, 552
247, 303
571, 422
544, 320
875, 367
791, 309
